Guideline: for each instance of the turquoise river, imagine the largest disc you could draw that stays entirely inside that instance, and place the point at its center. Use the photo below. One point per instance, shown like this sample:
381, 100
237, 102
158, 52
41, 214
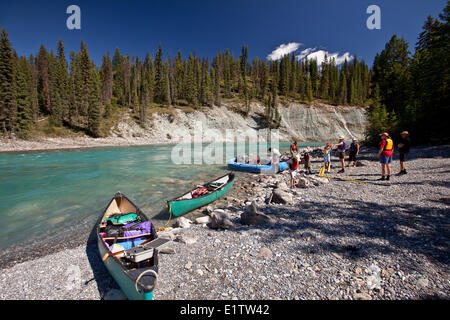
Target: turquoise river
46, 194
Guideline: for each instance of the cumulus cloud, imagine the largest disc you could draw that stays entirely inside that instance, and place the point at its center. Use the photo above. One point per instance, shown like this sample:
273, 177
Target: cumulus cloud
319, 55
283, 50
305, 53
310, 53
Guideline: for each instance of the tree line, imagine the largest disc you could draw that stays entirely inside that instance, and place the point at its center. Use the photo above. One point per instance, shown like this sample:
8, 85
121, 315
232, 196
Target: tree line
404, 92
75, 93
412, 92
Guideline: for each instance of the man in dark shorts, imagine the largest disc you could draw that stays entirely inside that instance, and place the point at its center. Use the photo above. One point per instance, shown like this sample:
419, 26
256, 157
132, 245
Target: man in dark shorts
403, 149
353, 152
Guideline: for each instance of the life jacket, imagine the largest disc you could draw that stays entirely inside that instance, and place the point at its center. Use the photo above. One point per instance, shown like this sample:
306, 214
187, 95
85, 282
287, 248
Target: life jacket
293, 165
199, 192
389, 146
294, 147
343, 147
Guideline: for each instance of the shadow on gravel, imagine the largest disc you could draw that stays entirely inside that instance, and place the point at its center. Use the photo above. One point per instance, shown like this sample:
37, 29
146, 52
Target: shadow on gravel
105, 281
366, 229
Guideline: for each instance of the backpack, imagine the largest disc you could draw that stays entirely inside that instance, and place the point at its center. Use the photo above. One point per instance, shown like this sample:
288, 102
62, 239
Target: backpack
123, 218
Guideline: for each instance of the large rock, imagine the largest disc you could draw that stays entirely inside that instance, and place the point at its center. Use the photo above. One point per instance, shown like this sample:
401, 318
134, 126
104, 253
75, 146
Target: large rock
282, 185
203, 220
251, 216
303, 183
166, 235
280, 196
319, 180
220, 220
183, 222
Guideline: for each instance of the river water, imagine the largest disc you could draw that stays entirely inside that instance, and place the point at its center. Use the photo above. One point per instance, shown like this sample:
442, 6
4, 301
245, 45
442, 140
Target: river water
44, 194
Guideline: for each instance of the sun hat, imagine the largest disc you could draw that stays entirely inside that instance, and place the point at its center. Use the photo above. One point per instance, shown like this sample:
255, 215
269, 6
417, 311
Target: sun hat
341, 138
405, 132
384, 134
354, 139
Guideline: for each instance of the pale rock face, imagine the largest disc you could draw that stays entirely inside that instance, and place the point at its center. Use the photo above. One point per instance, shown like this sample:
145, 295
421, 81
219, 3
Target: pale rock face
318, 122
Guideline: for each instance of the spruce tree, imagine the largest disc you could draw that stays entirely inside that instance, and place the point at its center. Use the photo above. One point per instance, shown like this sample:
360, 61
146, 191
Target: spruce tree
24, 81
107, 81
118, 78
7, 85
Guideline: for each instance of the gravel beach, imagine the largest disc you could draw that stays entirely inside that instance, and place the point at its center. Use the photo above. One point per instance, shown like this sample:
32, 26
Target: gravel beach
329, 239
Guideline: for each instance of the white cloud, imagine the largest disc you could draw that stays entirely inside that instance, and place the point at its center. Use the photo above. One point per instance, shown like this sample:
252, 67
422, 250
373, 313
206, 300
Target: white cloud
319, 55
310, 53
283, 50
305, 52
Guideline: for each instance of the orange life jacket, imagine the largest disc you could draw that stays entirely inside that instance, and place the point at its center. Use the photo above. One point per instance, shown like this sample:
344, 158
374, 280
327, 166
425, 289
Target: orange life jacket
199, 192
389, 146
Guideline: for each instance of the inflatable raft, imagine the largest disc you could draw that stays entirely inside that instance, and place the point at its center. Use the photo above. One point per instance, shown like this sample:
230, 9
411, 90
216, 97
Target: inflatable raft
255, 168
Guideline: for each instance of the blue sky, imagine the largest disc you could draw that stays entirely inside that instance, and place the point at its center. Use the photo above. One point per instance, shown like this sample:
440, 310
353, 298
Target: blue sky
206, 27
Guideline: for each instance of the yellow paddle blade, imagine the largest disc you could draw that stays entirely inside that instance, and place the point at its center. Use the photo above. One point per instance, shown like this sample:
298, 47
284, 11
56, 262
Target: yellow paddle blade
322, 171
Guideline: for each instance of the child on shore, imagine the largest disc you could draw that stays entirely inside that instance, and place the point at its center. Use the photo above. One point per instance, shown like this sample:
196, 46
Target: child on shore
327, 156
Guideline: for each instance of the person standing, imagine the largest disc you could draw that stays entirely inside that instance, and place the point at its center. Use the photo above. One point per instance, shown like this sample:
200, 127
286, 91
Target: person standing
294, 148
293, 166
307, 160
385, 156
275, 155
341, 147
327, 156
403, 149
353, 152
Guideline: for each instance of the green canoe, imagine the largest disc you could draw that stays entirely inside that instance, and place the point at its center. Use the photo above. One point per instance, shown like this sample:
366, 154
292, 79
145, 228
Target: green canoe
196, 198
137, 280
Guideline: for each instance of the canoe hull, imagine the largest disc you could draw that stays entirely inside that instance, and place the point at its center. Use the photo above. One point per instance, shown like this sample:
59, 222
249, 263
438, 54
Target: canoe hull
126, 279
125, 283
263, 169
181, 207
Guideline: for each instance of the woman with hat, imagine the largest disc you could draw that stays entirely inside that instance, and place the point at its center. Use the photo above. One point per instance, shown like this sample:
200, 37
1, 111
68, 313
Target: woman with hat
385, 156
403, 149
341, 147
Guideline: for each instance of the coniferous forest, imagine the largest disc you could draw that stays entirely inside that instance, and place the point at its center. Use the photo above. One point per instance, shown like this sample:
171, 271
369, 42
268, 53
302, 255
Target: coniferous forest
405, 91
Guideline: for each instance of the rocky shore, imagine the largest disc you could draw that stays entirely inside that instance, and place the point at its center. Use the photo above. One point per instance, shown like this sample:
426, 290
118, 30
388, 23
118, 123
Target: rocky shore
326, 239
